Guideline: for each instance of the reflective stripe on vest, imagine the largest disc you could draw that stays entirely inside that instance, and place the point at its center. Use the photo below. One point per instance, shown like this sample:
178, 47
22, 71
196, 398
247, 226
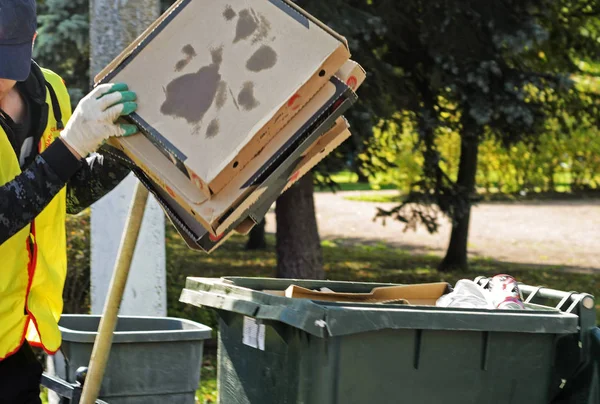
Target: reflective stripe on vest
34, 261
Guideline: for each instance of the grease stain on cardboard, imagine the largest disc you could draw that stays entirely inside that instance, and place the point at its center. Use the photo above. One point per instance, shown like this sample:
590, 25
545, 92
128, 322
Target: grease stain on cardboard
246, 97
263, 59
221, 95
190, 53
246, 25
190, 96
264, 29
188, 50
229, 13
249, 24
213, 129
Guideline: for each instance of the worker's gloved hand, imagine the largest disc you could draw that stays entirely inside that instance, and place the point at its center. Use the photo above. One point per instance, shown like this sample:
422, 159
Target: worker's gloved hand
93, 120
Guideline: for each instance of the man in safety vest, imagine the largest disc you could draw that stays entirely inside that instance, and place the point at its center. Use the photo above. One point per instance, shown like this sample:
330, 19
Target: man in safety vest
48, 168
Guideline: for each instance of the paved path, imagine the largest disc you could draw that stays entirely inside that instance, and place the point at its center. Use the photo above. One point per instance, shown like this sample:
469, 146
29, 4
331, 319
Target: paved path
563, 233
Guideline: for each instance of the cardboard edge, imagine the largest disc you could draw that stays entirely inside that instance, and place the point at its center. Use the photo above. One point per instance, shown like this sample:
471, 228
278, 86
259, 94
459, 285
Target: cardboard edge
193, 194
186, 233
251, 200
319, 23
342, 92
343, 134
220, 180
352, 70
244, 223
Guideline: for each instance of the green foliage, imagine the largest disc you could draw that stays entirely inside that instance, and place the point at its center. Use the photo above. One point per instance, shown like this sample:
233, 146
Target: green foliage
207, 392
62, 44
507, 72
555, 162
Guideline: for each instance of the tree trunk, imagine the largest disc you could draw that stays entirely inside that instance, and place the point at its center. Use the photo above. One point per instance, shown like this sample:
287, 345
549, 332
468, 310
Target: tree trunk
456, 256
362, 178
256, 238
299, 252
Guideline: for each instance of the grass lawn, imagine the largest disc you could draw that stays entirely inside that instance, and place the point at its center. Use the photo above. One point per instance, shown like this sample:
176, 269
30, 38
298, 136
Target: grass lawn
365, 263
376, 197
348, 181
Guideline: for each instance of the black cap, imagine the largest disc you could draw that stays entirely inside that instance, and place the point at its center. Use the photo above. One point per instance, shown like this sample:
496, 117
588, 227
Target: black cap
17, 28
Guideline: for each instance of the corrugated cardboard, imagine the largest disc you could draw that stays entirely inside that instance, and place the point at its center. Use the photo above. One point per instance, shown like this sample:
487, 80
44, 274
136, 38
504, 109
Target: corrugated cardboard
425, 294
192, 232
156, 166
352, 74
197, 237
216, 81
219, 212
164, 174
245, 190
321, 149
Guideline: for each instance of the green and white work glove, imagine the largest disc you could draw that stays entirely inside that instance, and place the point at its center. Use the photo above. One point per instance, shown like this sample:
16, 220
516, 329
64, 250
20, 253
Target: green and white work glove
94, 119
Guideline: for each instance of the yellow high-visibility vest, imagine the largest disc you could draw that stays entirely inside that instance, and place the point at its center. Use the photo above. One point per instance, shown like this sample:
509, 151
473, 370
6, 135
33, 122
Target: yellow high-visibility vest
33, 262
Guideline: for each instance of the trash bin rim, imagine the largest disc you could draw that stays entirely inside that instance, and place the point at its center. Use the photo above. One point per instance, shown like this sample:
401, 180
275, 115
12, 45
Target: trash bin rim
325, 319
196, 331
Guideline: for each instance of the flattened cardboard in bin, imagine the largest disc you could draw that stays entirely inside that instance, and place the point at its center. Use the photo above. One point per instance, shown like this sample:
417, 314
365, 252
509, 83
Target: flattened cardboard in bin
425, 294
216, 81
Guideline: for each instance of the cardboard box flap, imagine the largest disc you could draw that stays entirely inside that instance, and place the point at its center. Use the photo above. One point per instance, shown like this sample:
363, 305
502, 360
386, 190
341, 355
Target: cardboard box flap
418, 294
168, 204
195, 235
192, 232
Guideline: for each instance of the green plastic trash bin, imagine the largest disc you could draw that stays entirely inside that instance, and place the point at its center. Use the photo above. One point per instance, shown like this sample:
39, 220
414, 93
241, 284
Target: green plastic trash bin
277, 350
152, 360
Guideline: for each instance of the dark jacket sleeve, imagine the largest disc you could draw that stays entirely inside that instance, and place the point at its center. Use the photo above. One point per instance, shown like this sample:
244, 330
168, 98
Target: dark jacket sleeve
99, 175
24, 198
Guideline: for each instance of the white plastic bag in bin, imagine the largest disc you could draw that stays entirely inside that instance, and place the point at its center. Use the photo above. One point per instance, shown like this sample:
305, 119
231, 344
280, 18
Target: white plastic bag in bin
467, 294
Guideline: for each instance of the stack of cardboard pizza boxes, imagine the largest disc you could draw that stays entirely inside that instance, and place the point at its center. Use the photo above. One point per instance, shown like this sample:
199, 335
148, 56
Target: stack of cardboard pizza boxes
237, 100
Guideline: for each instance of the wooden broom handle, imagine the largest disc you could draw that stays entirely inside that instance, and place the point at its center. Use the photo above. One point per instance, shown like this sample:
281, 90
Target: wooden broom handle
108, 322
